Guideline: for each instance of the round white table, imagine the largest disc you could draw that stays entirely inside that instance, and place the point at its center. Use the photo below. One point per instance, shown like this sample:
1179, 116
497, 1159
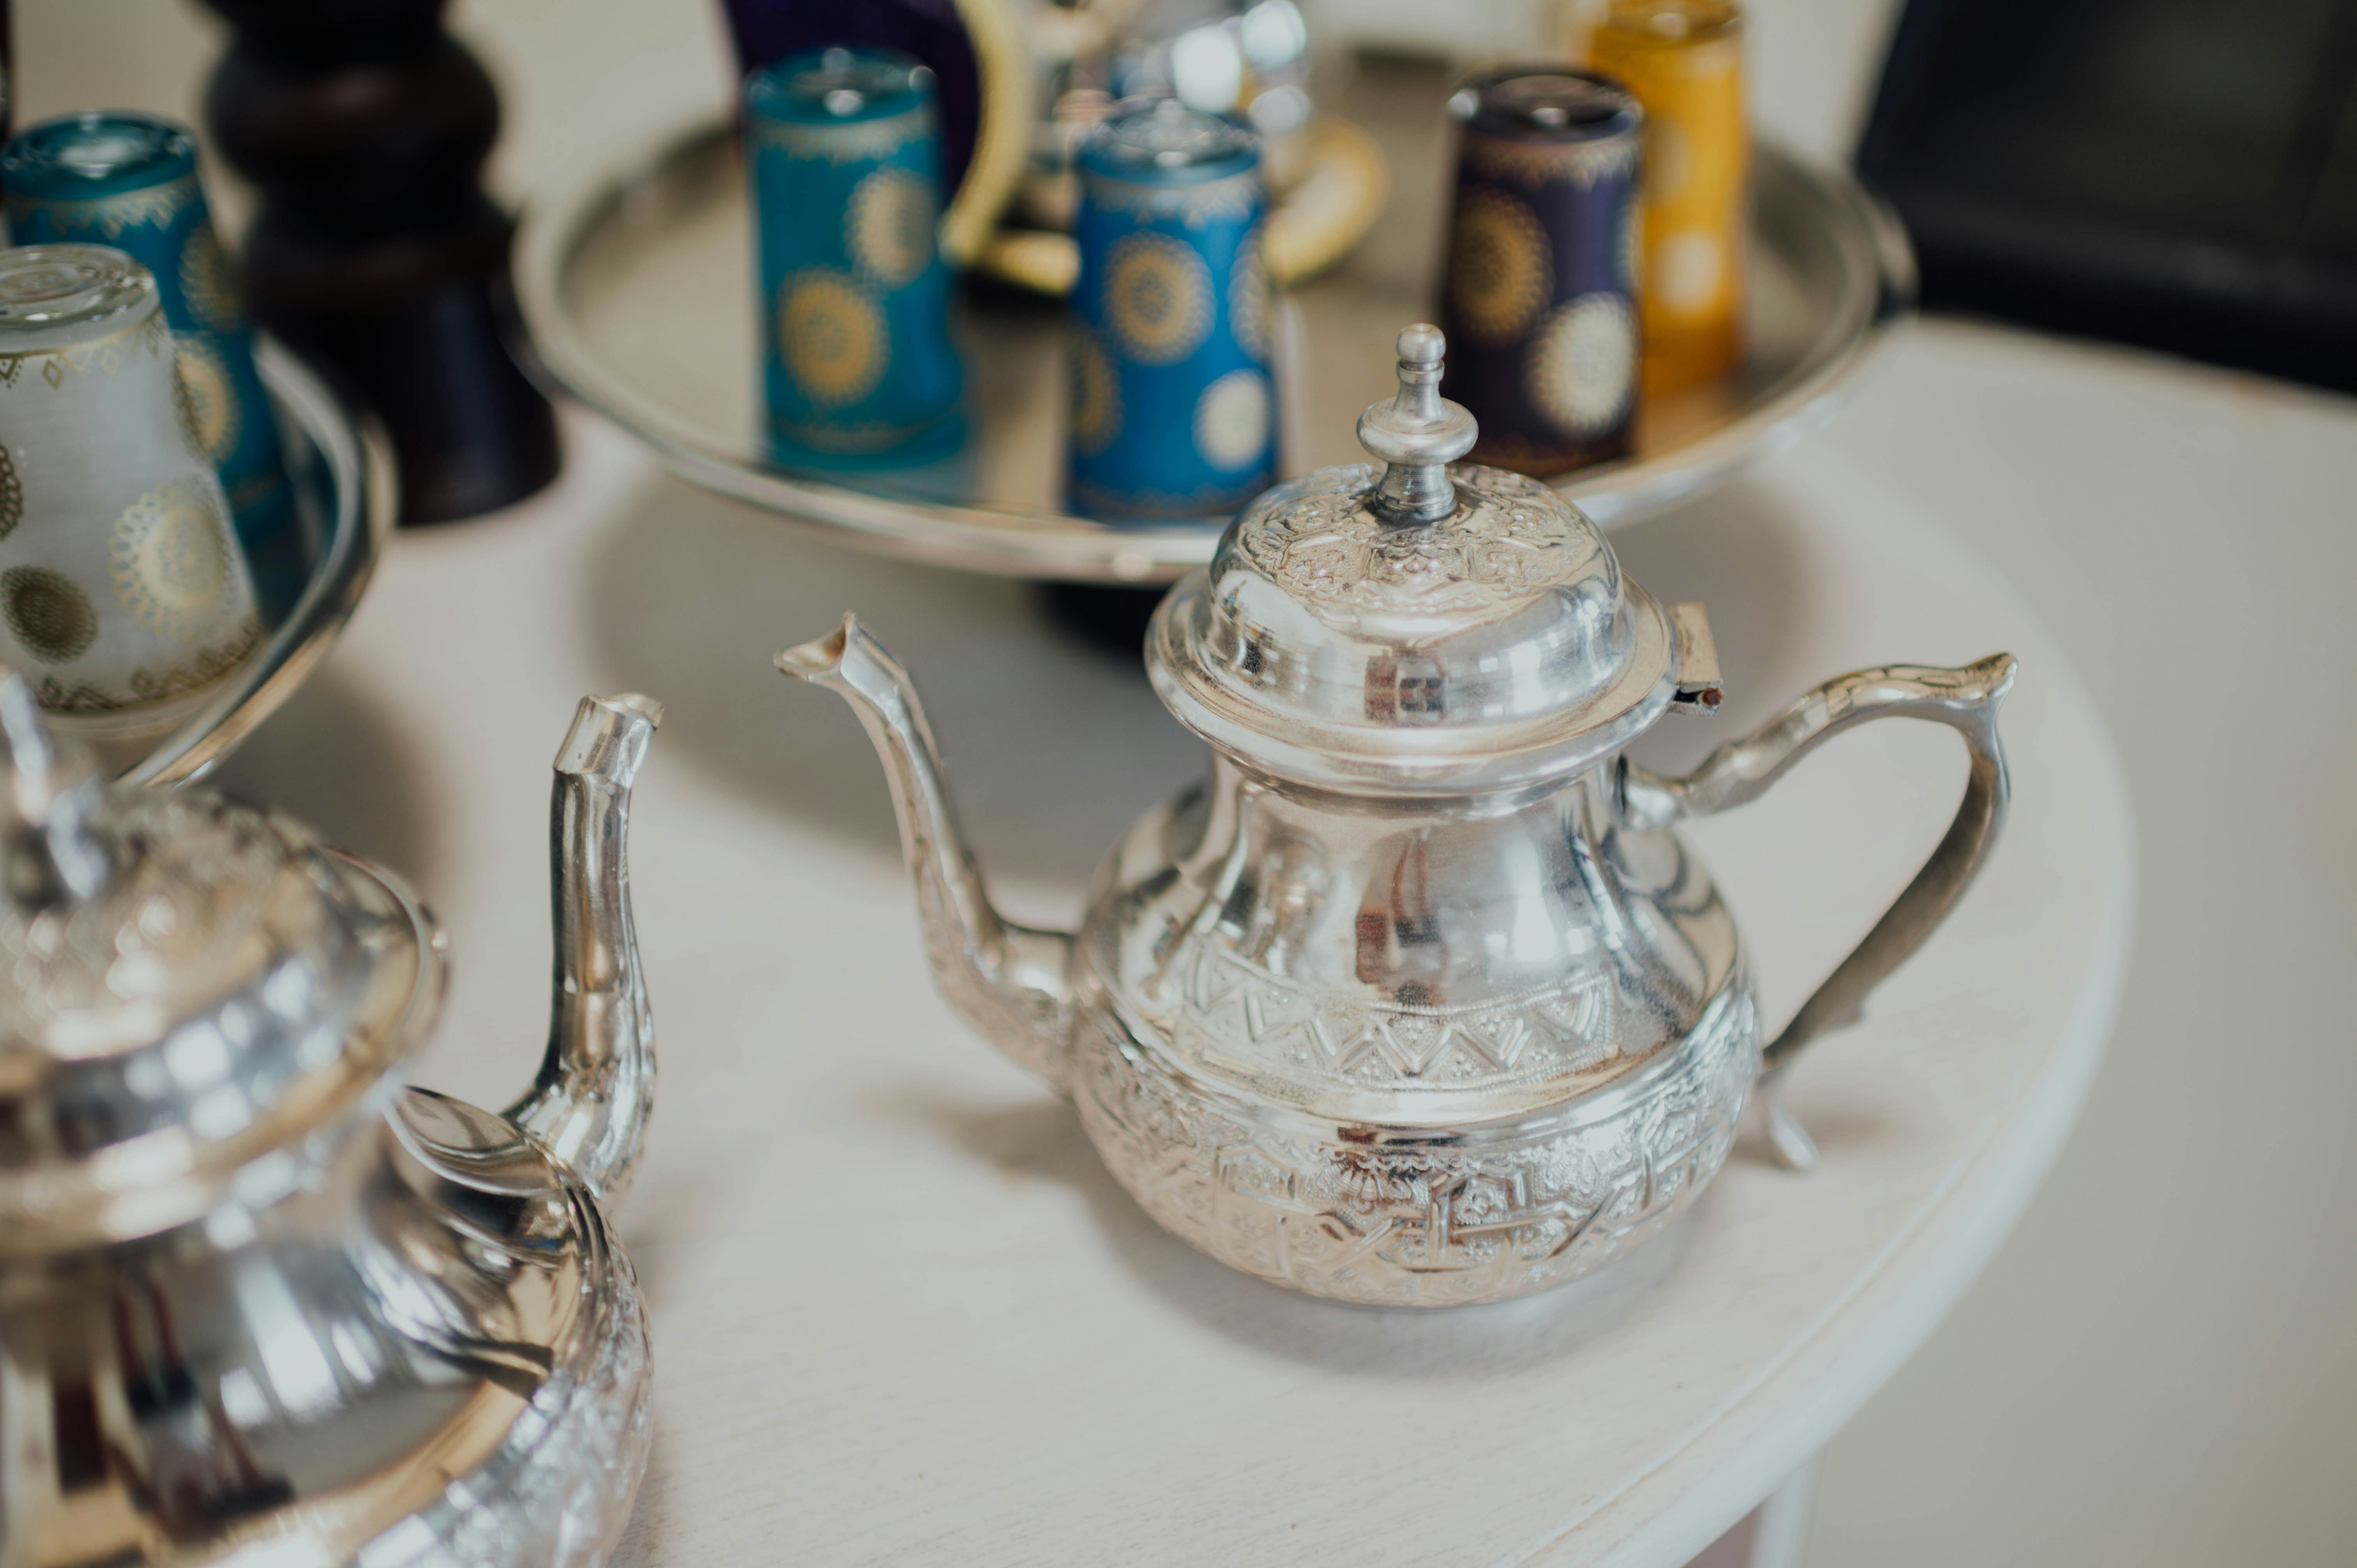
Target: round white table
902, 1315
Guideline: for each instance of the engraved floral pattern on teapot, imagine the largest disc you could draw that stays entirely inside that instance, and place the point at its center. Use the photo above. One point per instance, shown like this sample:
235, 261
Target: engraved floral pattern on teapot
1316, 537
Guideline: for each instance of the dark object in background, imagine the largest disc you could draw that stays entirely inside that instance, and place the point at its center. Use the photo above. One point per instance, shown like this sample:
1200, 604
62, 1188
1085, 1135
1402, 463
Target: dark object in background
1539, 296
375, 251
2177, 174
1108, 615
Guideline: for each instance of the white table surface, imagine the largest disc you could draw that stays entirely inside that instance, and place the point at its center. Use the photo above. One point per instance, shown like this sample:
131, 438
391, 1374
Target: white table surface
901, 1315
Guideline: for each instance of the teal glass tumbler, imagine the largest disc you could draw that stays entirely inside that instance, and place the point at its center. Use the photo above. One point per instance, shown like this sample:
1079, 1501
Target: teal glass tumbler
130, 182
1173, 405
844, 153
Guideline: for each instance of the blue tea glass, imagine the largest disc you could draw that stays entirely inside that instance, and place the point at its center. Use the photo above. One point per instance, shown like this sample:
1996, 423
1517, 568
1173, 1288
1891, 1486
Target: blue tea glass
845, 151
1173, 406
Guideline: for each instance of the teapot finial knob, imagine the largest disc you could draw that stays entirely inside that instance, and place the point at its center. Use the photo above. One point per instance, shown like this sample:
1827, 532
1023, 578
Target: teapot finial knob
1418, 434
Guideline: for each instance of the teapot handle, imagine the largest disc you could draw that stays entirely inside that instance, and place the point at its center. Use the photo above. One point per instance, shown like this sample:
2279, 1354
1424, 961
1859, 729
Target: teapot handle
1740, 771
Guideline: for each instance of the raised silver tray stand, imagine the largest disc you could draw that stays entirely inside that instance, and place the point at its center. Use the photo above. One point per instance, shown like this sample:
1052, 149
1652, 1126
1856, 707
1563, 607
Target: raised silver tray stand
636, 286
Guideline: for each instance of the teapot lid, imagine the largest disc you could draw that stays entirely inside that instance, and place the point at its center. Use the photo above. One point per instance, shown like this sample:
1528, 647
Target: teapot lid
194, 996
1426, 627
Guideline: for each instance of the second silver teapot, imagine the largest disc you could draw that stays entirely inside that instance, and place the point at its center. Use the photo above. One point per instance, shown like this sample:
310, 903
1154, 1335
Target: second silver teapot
258, 1304
1419, 1000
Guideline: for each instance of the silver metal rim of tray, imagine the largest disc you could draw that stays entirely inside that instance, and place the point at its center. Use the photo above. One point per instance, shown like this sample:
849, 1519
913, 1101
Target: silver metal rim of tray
1846, 232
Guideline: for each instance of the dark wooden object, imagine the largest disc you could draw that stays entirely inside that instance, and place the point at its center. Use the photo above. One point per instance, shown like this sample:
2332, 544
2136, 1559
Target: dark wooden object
375, 252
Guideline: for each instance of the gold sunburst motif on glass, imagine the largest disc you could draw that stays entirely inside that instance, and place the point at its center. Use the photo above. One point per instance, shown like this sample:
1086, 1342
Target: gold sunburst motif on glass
1232, 421
209, 419
888, 226
1582, 365
832, 335
1501, 267
171, 559
206, 280
1248, 299
202, 665
1158, 299
48, 612
1096, 395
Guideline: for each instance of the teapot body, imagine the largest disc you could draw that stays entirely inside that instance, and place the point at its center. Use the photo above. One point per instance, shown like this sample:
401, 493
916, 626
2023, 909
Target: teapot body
1409, 1053
430, 1351
1419, 1001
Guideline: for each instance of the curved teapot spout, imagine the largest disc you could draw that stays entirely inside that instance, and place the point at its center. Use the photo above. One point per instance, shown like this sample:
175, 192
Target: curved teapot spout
1010, 981
590, 1104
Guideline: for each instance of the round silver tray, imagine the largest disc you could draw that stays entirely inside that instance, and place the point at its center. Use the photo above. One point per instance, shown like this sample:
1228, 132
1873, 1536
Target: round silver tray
344, 497
636, 286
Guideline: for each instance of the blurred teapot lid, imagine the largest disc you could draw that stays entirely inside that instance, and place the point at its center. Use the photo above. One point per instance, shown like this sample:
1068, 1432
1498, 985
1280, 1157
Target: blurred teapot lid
197, 999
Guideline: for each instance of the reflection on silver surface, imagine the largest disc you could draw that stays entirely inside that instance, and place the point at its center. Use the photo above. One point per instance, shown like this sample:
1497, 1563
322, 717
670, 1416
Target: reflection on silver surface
637, 286
1419, 1000
242, 1308
597, 1083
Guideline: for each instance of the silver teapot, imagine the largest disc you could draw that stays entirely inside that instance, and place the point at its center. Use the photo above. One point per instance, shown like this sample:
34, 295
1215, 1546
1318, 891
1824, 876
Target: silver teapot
1418, 1000
258, 1302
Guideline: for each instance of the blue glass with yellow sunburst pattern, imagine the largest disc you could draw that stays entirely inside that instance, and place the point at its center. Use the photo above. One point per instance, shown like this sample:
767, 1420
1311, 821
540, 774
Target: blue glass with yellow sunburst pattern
130, 182
1173, 408
844, 150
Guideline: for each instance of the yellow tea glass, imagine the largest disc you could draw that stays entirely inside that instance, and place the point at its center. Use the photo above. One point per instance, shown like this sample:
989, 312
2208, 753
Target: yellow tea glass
1684, 60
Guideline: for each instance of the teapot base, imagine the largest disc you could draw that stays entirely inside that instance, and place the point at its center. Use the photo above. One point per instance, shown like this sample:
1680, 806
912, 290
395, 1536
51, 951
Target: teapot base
1421, 1216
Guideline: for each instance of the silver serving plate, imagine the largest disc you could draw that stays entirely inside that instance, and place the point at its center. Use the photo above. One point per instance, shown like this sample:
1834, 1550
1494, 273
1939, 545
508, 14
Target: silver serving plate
636, 284
344, 488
